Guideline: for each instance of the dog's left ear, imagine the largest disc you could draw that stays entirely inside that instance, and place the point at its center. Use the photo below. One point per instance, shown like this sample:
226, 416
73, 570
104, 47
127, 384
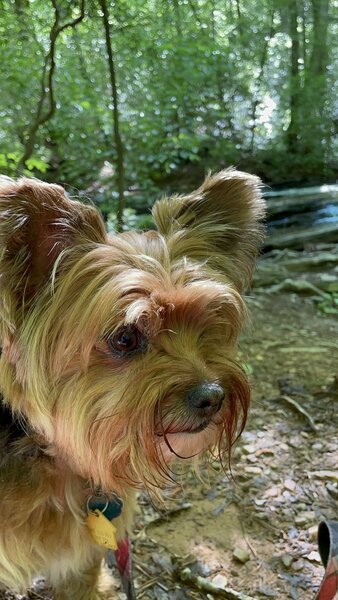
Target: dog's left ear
37, 222
219, 224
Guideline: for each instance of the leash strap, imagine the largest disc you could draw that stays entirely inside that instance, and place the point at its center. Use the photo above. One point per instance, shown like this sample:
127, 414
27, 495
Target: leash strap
124, 565
121, 559
328, 550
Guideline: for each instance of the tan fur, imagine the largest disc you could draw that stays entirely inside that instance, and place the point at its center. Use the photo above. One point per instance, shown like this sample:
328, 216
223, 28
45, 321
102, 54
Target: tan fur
94, 418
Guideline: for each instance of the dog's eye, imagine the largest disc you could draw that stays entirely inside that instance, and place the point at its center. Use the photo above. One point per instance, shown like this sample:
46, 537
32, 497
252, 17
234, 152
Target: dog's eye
127, 340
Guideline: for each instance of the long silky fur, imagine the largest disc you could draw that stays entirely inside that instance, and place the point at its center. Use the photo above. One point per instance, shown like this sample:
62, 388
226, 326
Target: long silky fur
93, 420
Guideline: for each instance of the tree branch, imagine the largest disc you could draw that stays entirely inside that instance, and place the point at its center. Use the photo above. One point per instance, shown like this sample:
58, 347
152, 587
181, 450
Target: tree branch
117, 136
47, 83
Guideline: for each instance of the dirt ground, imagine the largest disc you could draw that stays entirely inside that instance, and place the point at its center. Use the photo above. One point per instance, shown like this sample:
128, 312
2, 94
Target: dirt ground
256, 532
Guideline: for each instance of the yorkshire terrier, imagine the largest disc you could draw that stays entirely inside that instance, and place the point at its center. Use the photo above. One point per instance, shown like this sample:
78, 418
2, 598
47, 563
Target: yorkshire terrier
118, 356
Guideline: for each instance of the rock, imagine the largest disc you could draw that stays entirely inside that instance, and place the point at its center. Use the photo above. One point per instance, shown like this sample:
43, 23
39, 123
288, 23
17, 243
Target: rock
287, 560
333, 490
252, 458
331, 475
290, 485
248, 449
314, 557
253, 470
241, 555
317, 446
313, 533
298, 565
266, 591
220, 581
262, 515
304, 518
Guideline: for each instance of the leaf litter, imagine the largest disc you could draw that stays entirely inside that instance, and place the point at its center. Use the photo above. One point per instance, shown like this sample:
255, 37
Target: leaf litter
252, 534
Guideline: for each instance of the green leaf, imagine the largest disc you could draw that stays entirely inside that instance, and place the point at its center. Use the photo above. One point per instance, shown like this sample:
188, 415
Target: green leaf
37, 164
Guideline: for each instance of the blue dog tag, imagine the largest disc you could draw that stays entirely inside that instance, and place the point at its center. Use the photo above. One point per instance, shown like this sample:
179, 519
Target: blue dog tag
111, 508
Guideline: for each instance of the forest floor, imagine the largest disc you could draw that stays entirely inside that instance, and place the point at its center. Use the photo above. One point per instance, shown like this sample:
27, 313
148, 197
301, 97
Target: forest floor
255, 532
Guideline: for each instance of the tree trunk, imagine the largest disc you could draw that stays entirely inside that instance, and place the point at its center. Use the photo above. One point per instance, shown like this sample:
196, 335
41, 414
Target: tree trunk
222, 80
316, 86
262, 63
294, 130
319, 54
117, 137
47, 83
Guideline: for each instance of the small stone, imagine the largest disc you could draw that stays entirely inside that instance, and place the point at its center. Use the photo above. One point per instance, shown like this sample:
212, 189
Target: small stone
253, 470
290, 485
310, 515
298, 565
220, 581
314, 556
241, 555
247, 436
248, 449
284, 447
252, 458
326, 475
266, 591
287, 560
304, 518
313, 533
272, 492
262, 515
294, 442
260, 501
333, 490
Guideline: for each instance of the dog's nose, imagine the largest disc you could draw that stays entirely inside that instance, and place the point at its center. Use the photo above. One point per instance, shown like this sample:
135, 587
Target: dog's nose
207, 398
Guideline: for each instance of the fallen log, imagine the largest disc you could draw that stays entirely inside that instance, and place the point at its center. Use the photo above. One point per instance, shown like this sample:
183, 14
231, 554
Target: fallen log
301, 238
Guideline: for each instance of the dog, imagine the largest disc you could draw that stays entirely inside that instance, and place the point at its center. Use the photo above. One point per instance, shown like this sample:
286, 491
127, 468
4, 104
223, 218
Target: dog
118, 357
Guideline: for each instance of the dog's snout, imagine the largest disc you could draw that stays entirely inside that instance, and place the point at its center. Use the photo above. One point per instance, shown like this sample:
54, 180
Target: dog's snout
206, 398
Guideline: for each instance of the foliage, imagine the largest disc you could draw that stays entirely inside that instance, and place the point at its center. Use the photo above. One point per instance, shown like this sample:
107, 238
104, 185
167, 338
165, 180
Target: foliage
328, 304
201, 84
131, 220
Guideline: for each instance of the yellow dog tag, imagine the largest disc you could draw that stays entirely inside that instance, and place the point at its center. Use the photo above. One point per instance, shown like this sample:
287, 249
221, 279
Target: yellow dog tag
102, 530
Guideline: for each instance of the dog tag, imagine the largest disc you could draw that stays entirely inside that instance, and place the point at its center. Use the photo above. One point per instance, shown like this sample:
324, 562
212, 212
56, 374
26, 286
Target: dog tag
102, 530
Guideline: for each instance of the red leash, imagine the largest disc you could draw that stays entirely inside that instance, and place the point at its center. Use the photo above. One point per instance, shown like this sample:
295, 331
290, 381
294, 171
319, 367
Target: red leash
124, 565
328, 550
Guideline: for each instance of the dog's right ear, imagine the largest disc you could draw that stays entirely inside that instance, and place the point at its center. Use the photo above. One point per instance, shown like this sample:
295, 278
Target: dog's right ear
219, 224
37, 222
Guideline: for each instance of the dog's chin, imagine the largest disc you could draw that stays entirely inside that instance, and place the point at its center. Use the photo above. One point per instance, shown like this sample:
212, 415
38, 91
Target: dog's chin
187, 444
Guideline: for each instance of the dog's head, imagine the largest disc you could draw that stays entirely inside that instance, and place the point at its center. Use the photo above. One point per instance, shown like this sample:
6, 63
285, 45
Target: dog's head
121, 351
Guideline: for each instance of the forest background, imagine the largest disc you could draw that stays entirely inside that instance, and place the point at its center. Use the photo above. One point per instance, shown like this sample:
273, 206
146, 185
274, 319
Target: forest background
123, 101
129, 99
